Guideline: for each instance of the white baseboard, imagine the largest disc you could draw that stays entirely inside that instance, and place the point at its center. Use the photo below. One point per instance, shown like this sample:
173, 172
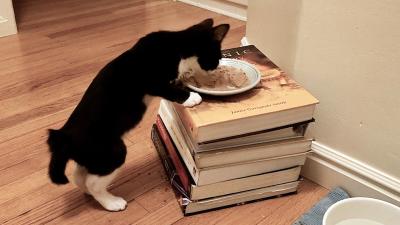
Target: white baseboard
357, 166
227, 8
330, 168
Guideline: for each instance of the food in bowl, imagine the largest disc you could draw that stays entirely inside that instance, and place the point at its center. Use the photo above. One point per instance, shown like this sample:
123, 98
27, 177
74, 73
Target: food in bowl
221, 79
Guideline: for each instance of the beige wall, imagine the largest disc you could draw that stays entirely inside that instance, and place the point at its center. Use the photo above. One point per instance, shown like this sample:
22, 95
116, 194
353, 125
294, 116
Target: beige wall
272, 26
347, 53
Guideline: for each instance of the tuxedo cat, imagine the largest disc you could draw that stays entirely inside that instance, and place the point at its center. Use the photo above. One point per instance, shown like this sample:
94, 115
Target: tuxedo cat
114, 104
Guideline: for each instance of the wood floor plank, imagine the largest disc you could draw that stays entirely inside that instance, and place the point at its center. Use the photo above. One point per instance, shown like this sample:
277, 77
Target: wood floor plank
44, 71
168, 214
263, 210
133, 212
156, 198
211, 217
44, 201
36, 123
308, 194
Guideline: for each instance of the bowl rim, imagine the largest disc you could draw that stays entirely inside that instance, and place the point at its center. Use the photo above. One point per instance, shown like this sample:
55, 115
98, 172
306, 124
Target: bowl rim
235, 91
356, 199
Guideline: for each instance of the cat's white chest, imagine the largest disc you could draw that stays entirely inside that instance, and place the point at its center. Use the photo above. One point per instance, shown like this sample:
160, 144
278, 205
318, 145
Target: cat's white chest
190, 64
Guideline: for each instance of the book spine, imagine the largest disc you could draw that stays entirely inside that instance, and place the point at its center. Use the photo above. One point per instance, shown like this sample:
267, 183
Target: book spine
179, 191
171, 149
178, 140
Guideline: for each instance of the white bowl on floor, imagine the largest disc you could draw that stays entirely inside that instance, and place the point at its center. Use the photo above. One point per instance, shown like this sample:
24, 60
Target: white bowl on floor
362, 211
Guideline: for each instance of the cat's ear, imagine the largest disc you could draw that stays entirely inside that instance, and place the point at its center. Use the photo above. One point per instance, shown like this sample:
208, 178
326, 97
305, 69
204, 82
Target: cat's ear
220, 31
204, 25
207, 23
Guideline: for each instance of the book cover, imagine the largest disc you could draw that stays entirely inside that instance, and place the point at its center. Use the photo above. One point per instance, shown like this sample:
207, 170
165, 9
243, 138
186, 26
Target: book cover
180, 169
275, 93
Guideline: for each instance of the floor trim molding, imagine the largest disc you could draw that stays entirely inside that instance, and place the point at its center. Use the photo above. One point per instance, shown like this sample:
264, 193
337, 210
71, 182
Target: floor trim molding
356, 166
330, 168
226, 8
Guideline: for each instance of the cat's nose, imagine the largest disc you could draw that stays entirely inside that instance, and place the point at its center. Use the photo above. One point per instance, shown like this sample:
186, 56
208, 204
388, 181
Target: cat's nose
212, 67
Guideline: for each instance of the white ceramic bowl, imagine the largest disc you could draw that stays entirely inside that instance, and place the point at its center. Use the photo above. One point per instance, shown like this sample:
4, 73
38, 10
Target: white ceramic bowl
362, 211
251, 71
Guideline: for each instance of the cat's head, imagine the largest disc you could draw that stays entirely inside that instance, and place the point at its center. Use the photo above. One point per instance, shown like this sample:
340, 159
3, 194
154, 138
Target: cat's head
204, 46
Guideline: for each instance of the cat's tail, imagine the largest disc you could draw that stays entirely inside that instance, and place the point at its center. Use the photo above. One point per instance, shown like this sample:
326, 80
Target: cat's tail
59, 144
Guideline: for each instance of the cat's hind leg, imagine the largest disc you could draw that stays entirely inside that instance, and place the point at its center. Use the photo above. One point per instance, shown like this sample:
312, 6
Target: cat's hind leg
102, 170
97, 187
79, 177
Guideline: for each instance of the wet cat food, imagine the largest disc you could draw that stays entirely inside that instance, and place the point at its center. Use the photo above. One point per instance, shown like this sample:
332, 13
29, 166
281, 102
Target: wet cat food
221, 79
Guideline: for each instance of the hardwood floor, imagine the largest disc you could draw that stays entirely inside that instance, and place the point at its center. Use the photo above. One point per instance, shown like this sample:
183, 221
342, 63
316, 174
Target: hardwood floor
44, 71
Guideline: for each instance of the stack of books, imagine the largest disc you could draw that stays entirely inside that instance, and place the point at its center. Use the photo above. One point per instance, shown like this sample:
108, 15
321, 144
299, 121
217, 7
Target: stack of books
236, 149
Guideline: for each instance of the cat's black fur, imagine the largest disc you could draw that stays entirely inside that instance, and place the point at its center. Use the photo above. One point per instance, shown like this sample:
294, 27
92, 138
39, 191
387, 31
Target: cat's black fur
113, 103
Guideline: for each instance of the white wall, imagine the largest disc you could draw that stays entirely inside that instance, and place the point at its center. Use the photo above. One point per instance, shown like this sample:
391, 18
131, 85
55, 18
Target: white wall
347, 53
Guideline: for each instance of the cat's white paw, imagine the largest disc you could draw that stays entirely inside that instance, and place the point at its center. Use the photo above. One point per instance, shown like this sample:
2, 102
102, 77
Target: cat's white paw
114, 204
194, 99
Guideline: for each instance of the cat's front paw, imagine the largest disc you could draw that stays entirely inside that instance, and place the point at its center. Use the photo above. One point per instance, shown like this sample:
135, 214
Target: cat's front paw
194, 99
